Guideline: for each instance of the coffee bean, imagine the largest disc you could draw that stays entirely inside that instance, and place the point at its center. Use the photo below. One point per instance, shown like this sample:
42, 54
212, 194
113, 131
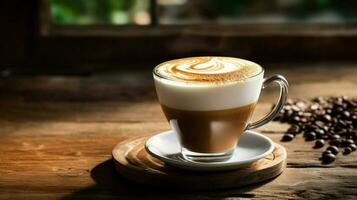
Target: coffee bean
319, 143
325, 137
328, 158
347, 151
335, 136
289, 112
327, 118
346, 114
310, 136
319, 131
351, 104
310, 127
294, 128
346, 143
353, 147
295, 108
300, 113
333, 149
320, 124
326, 152
354, 138
318, 99
320, 112
287, 137
314, 106
301, 105
296, 119
287, 107
303, 120
354, 117
339, 110
307, 114
335, 142
330, 119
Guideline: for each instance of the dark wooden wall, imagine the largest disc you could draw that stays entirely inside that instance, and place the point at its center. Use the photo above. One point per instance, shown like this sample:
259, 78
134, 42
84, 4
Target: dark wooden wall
23, 49
17, 19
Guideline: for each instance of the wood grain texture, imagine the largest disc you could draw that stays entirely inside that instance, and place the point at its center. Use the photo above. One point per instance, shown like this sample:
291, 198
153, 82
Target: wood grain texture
134, 162
57, 133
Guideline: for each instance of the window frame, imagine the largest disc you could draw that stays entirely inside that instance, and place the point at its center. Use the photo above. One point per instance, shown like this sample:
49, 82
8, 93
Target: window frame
155, 29
77, 47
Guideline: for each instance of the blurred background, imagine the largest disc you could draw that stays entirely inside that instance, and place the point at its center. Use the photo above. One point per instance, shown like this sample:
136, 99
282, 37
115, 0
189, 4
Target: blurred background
173, 12
84, 36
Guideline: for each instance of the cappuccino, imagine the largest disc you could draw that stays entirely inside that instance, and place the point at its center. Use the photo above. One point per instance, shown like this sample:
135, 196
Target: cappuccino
208, 100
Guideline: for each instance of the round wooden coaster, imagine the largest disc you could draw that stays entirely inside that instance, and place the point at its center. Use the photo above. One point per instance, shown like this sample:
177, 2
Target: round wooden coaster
133, 162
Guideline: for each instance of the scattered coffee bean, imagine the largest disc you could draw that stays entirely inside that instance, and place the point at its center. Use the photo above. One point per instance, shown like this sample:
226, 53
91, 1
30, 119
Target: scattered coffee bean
294, 129
296, 119
347, 151
314, 106
330, 119
303, 120
327, 118
346, 114
353, 147
326, 152
335, 136
287, 137
333, 149
346, 142
320, 124
319, 143
310, 136
335, 142
328, 158
319, 131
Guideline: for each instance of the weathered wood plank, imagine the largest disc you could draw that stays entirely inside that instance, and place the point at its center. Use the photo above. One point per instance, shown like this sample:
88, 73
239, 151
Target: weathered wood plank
20, 151
294, 183
56, 135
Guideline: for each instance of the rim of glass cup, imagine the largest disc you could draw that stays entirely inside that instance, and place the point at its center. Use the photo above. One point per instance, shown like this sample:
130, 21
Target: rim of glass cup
154, 71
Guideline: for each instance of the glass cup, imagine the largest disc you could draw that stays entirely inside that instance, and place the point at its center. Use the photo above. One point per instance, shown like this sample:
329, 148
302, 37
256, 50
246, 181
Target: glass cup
210, 118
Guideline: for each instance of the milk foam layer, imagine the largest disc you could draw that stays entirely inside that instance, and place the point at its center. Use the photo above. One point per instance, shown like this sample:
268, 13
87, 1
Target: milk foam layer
208, 69
188, 95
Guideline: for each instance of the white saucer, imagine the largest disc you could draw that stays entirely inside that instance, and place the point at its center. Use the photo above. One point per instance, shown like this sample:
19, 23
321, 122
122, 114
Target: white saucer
251, 147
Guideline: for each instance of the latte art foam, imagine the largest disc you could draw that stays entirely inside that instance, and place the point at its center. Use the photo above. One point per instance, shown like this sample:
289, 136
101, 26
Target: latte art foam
208, 69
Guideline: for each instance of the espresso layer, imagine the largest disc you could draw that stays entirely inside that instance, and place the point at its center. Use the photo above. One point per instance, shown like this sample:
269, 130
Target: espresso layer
209, 131
208, 69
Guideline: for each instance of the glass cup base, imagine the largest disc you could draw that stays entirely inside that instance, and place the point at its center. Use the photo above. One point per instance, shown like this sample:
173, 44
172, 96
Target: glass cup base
206, 157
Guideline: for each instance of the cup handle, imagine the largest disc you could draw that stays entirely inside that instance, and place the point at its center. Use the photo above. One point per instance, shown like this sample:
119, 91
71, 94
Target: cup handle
283, 83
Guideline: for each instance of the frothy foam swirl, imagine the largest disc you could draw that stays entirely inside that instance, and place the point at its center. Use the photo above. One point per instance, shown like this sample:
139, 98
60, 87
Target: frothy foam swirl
208, 69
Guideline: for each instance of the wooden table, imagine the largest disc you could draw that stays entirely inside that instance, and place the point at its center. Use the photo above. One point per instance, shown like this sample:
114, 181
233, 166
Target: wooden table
57, 133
